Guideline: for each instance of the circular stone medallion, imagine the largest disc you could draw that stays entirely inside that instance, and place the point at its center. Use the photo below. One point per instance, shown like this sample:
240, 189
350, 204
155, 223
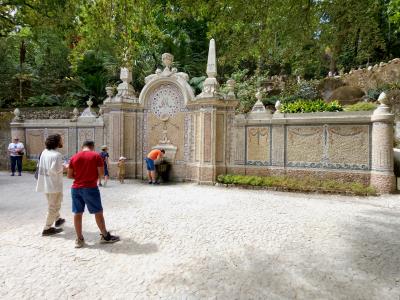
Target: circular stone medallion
166, 100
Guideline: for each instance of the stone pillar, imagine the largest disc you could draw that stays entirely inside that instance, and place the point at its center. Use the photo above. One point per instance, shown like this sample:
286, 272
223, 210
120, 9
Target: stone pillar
121, 134
382, 175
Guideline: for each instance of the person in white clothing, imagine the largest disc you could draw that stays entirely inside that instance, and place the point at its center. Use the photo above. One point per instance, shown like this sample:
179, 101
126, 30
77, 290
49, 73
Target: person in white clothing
16, 150
50, 182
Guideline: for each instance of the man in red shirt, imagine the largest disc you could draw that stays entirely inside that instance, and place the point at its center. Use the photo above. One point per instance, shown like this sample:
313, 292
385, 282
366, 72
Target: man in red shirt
86, 167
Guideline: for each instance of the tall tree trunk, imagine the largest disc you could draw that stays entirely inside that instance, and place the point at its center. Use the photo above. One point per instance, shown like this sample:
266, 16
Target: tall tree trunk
22, 53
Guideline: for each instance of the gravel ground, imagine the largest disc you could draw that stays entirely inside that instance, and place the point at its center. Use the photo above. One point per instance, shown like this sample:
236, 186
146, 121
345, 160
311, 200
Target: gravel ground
185, 241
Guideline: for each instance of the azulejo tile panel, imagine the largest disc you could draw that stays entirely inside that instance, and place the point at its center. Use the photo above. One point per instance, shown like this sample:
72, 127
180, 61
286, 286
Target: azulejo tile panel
258, 145
342, 146
348, 145
304, 146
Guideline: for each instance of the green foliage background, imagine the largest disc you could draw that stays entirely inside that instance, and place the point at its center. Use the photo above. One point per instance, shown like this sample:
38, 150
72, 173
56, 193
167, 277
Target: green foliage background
63, 52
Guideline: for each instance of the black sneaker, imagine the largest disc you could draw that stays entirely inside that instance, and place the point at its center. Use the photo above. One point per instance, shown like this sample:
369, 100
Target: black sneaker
59, 222
51, 231
150, 182
12, 174
108, 238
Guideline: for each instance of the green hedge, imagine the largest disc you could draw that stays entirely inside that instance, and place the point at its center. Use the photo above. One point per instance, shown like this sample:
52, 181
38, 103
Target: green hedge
361, 106
306, 184
308, 106
28, 165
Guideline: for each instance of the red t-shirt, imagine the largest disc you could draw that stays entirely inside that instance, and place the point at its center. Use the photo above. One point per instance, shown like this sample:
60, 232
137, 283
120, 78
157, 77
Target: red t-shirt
85, 164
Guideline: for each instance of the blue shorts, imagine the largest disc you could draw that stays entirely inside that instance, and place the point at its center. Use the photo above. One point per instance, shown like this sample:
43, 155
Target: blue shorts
150, 164
86, 196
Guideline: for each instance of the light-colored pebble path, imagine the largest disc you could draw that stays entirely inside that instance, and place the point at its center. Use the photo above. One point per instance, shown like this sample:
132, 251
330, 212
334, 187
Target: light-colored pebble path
185, 241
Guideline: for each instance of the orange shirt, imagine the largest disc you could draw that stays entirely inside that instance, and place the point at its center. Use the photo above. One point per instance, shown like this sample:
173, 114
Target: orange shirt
154, 154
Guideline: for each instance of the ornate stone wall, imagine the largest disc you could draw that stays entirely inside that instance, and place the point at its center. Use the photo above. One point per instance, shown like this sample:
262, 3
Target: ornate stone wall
345, 146
34, 133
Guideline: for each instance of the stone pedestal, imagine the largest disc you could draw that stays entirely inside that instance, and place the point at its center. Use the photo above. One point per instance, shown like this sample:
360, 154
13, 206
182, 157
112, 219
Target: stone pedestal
382, 175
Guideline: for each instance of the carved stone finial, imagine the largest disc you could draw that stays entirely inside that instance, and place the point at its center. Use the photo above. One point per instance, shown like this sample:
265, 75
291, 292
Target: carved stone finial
75, 113
126, 92
212, 60
89, 102
18, 117
258, 106
278, 106
231, 89
383, 108
88, 112
383, 99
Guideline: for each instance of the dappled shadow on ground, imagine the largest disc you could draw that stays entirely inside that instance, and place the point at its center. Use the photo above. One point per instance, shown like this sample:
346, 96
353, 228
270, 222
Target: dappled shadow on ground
364, 264
375, 246
258, 275
125, 246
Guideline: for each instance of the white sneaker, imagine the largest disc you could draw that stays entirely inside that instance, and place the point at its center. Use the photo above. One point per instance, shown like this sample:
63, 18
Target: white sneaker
79, 243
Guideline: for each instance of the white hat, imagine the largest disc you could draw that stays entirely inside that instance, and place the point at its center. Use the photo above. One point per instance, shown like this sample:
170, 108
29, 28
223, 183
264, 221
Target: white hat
122, 158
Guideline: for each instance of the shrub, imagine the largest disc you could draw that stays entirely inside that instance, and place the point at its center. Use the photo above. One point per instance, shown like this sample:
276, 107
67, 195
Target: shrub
43, 100
297, 184
28, 165
360, 106
305, 106
300, 90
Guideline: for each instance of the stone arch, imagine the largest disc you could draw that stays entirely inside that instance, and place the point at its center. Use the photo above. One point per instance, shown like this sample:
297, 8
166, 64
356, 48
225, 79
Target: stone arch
181, 83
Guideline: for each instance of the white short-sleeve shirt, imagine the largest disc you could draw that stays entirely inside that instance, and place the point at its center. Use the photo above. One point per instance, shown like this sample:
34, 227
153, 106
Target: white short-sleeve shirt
50, 173
14, 148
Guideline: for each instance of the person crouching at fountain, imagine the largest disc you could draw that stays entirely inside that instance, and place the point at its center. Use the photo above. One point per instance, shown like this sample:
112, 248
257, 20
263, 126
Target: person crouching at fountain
151, 169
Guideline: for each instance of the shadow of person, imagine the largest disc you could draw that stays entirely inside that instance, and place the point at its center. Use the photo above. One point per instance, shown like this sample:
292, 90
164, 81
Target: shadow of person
124, 246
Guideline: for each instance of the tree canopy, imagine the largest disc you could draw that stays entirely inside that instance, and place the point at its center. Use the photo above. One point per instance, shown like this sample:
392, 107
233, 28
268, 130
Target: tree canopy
67, 50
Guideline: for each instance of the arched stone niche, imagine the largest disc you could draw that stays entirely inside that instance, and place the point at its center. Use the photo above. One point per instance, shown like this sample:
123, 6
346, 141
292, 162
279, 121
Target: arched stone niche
165, 116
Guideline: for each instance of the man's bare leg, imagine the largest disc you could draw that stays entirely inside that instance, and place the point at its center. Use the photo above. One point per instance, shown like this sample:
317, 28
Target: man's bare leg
101, 223
78, 225
153, 176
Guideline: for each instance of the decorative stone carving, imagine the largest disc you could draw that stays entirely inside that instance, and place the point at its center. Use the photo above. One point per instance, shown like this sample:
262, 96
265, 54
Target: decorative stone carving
259, 111
383, 108
231, 89
126, 92
166, 100
278, 106
164, 78
110, 94
75, 113
101, 112
210, 85
258, 106
88, 112
18, 117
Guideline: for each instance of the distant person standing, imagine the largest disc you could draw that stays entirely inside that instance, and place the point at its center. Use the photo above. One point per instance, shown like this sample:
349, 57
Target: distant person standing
121, 169
154, 155
16, 150
104, 155
86, 168
50, 182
